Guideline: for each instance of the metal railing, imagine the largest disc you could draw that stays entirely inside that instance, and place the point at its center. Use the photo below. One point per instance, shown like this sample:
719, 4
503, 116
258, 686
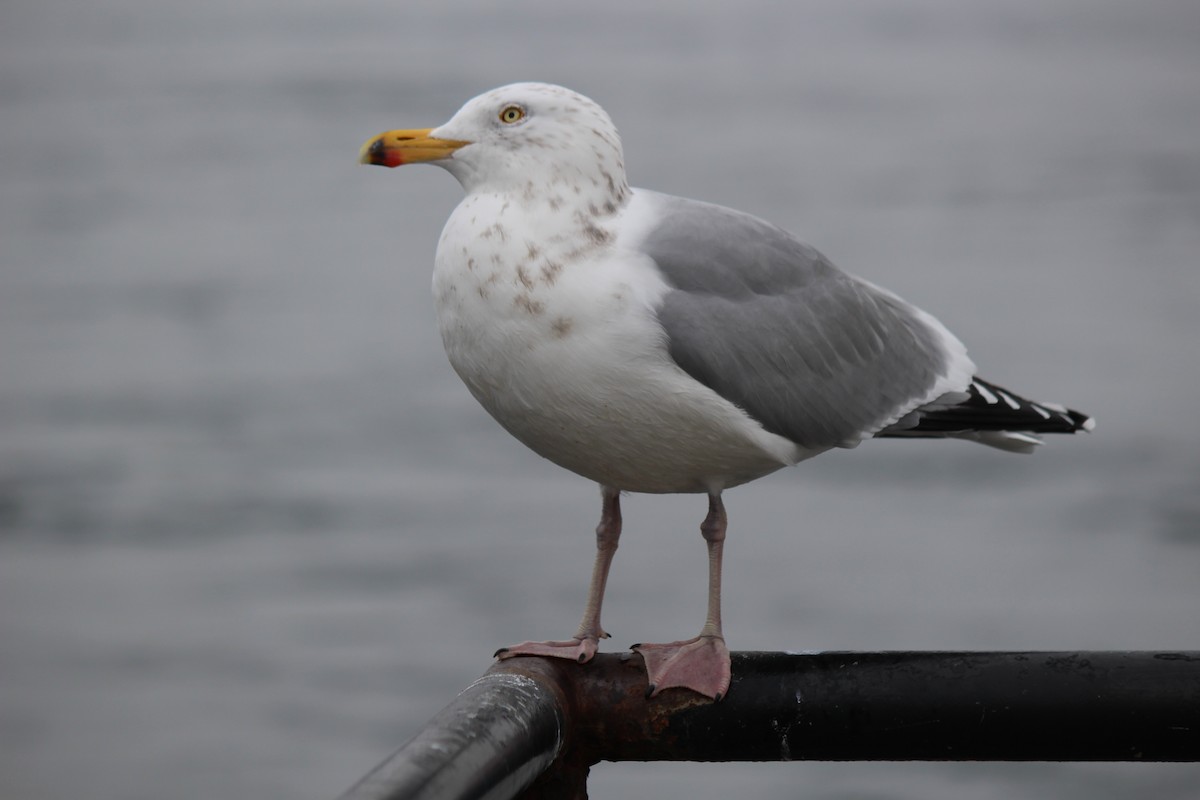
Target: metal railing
532, 727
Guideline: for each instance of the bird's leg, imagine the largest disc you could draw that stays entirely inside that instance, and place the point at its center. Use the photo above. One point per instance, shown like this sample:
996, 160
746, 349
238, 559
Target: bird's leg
582, 647
608, 533
700, 664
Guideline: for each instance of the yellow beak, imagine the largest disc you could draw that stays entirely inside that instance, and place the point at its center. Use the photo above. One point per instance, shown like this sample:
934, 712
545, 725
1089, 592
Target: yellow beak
393, 148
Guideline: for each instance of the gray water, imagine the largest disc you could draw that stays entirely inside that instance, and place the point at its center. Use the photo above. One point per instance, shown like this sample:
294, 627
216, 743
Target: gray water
253, 532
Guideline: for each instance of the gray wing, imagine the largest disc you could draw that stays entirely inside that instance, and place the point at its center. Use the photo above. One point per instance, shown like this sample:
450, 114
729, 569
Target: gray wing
771, 325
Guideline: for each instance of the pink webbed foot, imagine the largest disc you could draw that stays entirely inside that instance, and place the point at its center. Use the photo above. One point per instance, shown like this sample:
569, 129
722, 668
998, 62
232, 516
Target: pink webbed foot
579, 650
700, 664
582, 647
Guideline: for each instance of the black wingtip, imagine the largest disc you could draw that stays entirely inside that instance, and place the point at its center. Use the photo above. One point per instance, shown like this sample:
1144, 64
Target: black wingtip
989, 407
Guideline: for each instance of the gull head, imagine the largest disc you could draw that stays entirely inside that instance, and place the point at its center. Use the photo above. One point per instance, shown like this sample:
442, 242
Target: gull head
530, 140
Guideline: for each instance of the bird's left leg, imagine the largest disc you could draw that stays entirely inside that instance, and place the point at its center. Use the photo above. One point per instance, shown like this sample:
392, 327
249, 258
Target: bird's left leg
583, 646
700, 664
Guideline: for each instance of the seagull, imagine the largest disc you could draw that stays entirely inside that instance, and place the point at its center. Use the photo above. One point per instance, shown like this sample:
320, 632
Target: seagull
656, 344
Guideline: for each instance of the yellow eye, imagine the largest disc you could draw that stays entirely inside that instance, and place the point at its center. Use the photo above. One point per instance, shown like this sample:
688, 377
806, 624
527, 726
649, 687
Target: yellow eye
512, 114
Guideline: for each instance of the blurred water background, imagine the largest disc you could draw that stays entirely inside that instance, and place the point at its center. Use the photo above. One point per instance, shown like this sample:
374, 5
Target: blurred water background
253, 532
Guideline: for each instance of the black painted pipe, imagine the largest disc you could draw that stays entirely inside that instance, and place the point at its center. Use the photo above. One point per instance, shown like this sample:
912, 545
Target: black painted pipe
495, 739
1039, 706
528, 714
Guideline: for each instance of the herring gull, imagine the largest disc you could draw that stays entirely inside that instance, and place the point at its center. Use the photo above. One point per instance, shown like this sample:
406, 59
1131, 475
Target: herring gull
656, 344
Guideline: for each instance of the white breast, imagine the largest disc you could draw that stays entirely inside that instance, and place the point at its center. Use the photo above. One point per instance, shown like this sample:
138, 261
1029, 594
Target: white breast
559, 343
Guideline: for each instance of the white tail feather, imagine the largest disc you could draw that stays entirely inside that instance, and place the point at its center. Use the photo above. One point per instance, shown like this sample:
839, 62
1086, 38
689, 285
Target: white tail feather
1012, 441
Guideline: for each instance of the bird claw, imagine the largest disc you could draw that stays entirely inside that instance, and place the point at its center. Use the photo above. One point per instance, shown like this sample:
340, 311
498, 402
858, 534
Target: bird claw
700, 664
579, 650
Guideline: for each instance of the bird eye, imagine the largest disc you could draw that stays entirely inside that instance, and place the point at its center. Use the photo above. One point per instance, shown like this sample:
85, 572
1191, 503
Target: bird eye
511, 114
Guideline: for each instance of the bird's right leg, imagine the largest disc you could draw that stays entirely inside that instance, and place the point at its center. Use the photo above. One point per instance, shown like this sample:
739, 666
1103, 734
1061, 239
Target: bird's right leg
700, 663
583, 645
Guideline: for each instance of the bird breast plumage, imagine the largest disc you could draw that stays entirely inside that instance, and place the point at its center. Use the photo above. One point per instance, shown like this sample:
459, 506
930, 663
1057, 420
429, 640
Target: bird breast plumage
563, 349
